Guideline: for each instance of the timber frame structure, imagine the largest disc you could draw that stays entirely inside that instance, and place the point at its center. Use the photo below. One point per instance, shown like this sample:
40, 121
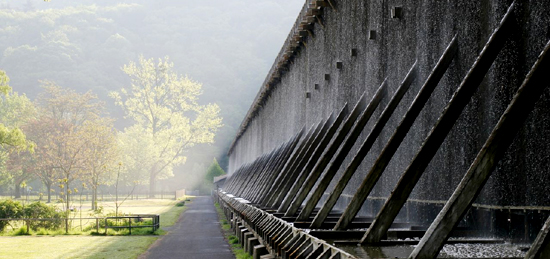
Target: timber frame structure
280, 204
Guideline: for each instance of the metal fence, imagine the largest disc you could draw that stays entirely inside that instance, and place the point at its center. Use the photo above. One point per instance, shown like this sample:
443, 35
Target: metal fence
155, 221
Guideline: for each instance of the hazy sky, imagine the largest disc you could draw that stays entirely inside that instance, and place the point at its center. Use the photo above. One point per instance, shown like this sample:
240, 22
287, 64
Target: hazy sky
229, 46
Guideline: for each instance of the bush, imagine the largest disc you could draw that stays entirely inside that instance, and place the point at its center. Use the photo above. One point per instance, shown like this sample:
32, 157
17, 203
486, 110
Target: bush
41, 210
9, 210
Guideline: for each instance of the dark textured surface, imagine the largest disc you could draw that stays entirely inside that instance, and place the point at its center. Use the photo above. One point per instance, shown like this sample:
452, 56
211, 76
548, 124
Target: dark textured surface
421, 34
196, 235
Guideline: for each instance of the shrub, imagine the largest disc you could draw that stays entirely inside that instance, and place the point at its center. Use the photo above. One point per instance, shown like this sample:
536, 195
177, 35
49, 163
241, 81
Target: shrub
9, 210
41, 210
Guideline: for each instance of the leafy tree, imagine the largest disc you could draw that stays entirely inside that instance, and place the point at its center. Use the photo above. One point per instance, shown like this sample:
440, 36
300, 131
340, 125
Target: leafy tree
67, 112
14, 109
100, 152
213, 170
165, 109
20, 167
39, 132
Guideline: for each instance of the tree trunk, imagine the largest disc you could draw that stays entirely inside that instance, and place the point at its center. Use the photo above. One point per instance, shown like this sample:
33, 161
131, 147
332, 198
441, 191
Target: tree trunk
152, 185
49, 186
17, 191
68, 209
94, 198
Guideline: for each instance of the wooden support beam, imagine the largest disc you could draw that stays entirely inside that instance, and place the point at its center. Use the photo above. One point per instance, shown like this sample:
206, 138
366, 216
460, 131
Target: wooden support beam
541, 246
321, 3
405, 186
294, 170
248, 173
363, 151
287, 168
278, 168
320, 21
493, 150
300, 173
395, 141
333, 146
268, 173
257, 175
263, 174
283, 176
305, 171
341, 155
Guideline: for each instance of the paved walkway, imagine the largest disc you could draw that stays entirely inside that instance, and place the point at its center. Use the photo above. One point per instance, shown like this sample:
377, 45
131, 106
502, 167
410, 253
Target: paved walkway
196, 235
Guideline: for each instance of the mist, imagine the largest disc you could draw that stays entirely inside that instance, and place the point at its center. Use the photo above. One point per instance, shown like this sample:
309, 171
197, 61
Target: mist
226, 46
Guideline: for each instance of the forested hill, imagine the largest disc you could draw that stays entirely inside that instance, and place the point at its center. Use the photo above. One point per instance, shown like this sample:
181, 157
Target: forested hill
227, 45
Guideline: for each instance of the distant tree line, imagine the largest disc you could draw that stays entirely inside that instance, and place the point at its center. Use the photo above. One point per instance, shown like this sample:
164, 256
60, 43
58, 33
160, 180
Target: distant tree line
227, 45
67, 140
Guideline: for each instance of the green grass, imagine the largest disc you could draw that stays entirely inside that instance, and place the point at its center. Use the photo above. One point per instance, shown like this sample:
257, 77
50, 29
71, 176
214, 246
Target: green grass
74, 246
231, 239
55, 244
169, 211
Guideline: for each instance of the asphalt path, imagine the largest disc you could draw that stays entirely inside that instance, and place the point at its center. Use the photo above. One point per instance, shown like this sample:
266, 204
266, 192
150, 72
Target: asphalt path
196, 235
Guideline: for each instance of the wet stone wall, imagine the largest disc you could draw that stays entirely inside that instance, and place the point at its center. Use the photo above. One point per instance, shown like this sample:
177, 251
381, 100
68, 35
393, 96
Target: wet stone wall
386, 48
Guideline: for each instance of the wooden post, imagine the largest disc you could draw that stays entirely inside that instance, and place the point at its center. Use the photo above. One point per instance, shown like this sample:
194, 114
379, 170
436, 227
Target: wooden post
263, 174
273, 171
453, 110
249, 174
363, 150
435, 138
395, 141
541, 246
286, 197
279, 170
494, 148
317, 148
312, 176
346, 147
287, 170
344, 150
399, 196
293, 172
341, 134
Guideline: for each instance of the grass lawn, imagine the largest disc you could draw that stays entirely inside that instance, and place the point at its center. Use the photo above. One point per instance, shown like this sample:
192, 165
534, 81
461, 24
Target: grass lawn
86, 246
74, 246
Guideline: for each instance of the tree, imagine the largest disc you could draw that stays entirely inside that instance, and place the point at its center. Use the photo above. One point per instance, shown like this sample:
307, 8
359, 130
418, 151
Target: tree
100, 152
12, 106
20, 167
66, 112
39, 131
213, 170
15, 111
165, 109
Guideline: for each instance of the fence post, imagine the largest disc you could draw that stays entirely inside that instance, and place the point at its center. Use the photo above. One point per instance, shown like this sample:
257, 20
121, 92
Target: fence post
97, 225
130, 225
